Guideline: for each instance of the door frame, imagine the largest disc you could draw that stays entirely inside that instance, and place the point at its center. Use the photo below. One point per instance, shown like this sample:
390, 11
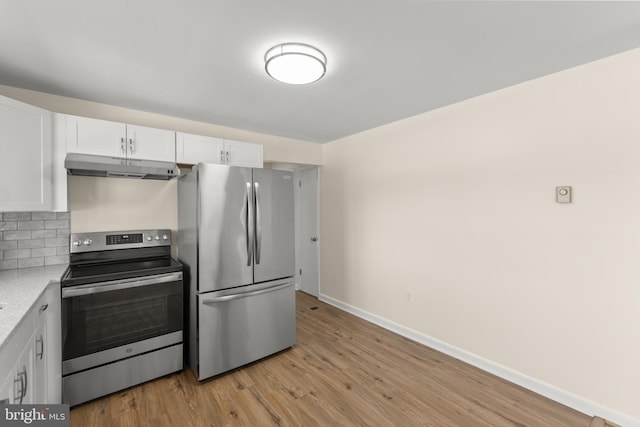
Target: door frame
300, 177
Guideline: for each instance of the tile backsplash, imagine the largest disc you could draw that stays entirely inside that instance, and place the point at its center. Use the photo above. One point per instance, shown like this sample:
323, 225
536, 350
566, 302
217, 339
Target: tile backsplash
33, 239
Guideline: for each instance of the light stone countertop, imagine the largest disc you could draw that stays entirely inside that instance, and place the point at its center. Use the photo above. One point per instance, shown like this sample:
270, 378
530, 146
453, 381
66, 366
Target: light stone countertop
19, 291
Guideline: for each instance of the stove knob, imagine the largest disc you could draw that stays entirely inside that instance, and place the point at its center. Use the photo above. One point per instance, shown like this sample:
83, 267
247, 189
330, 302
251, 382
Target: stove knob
88, 242
77, 242
149, 238
165, 237
157, 237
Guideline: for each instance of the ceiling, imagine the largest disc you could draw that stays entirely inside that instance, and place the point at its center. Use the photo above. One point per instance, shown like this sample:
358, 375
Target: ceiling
387, 59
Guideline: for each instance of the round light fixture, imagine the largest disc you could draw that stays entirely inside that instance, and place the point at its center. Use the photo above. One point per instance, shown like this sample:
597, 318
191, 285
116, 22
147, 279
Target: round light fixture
295, 63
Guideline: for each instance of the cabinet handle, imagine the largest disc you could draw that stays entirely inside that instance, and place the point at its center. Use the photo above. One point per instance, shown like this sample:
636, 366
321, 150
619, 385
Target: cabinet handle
21, 380
123, 149
40, 354
26, 384
43, 308
227, 157
17, 388
130, 145
222, 156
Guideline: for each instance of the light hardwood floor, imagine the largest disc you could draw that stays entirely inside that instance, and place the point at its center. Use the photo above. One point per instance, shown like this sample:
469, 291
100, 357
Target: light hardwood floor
343, 371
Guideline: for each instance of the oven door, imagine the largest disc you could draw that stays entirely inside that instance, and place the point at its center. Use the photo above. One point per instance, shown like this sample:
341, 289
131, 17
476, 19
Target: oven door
104, 322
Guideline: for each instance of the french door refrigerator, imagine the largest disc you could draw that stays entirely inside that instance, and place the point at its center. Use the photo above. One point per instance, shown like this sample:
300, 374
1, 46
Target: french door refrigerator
236, 241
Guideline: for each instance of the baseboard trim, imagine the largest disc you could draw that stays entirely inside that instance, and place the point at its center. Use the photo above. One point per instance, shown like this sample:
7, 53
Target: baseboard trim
559, 395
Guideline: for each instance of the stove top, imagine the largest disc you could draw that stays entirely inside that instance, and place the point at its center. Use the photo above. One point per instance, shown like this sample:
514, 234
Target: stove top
105, 256
104, 272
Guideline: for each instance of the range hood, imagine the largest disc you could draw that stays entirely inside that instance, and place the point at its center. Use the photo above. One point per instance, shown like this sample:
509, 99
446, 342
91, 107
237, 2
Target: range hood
91, 165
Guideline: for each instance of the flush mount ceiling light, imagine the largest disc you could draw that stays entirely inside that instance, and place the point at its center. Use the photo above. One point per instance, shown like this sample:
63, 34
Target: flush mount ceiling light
295, 63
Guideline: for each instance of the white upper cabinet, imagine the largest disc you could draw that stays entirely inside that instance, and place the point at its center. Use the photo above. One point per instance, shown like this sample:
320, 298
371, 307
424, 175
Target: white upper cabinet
91, 136
246, 154
105, 138
26, 148
151, 144
192, 149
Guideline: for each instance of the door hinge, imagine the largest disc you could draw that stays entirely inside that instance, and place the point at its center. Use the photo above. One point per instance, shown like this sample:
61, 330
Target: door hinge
301, 272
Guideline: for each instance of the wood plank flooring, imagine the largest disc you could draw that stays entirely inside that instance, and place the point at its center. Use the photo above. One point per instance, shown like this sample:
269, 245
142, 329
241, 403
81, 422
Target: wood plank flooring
343, 371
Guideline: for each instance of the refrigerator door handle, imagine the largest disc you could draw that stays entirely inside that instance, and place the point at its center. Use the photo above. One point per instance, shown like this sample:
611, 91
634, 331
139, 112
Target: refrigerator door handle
227, 298
258, 223
249, 225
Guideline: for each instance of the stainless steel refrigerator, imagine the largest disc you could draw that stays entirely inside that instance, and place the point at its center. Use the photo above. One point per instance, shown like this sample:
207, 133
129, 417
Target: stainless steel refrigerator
236, 241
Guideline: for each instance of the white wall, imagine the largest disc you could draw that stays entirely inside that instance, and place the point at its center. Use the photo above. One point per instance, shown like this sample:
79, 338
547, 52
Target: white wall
457, 207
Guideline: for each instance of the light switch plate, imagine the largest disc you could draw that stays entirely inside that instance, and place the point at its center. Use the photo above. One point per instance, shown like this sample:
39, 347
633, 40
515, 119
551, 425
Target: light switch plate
563, 194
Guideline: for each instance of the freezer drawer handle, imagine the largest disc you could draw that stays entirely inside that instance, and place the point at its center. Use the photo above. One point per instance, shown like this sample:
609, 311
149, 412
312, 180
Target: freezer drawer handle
248, 294
115, 285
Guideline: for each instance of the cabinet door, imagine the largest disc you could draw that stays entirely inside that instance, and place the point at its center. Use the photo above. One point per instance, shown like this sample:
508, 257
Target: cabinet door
243, 154
6, 389
53, 343
193, 149
25, 147
40, 354
151, 144
93, 136
23, 382
58, 171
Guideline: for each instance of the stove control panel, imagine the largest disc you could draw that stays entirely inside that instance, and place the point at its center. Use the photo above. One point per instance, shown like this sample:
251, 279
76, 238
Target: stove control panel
111, 240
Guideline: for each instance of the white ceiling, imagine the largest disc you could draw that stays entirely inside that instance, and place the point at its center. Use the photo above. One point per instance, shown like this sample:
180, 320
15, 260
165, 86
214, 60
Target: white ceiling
387, 59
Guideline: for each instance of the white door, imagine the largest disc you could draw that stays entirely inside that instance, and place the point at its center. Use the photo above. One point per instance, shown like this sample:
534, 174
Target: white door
307, 272
93, 136
243, 154
25, 148
151, 143
39, 383
193, 149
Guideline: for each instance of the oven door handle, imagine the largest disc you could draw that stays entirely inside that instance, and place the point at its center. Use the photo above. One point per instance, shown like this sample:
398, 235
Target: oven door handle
115, 285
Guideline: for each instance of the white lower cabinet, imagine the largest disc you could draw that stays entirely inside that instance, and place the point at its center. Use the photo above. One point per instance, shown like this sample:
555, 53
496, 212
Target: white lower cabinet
6, 390
25, 378
30, 366
52, 358
40, 355
18, 384
16, 362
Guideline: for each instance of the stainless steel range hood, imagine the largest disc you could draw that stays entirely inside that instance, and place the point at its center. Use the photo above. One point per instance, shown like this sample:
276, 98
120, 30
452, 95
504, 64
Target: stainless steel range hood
91, 165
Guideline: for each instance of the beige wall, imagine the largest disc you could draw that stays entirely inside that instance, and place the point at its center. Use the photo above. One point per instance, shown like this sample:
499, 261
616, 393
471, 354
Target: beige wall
457, 207
121, 204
